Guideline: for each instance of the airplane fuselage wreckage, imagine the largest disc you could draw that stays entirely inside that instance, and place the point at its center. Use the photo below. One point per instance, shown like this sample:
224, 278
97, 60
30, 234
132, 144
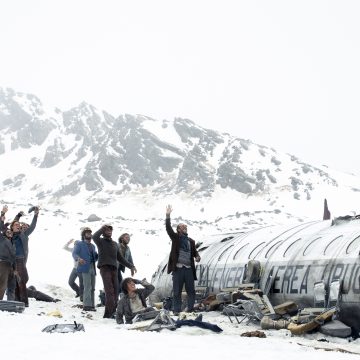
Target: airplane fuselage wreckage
293, 259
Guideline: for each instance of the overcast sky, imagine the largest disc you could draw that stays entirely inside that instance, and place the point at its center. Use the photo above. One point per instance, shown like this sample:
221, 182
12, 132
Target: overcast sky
281, 73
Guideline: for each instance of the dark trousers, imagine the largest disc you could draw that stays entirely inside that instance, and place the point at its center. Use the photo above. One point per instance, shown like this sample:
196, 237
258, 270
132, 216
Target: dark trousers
11, 287
31, 292
79, 289
38, 295
183, 276
120, 279
5, 273
110, 280
22, 279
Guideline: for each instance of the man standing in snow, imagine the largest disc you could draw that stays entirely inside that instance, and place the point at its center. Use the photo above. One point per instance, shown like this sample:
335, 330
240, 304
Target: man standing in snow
85, 255
21, 241
109, 256
181, 263
79, 289
124, 240
7, 254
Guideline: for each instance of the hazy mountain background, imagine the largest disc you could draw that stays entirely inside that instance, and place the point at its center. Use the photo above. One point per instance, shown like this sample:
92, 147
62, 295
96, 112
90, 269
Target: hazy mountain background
57, 157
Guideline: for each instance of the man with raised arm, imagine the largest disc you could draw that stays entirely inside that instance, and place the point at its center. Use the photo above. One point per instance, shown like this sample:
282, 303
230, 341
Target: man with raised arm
7, 253
181, 263
109, 256
79, 289
21, 241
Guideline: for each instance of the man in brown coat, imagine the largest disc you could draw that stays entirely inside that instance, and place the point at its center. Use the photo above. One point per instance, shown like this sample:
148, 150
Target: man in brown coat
109, 256
181, 263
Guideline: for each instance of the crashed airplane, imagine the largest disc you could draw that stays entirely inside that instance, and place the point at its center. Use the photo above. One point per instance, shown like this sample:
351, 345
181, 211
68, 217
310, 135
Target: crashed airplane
292, 259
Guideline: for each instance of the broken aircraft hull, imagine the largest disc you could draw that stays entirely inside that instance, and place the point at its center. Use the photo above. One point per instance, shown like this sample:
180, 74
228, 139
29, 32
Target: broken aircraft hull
292, 259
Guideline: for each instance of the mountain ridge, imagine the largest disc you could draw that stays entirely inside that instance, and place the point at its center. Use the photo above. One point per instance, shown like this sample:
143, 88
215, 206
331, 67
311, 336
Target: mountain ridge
88, 153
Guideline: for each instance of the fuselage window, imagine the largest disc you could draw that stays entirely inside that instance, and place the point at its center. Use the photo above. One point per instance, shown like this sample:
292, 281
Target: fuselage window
203, 248
354, 245
332, 245
271, 248
237, 254
227, 238
222, 254
164, 268
310, 246
253, 254
291, 248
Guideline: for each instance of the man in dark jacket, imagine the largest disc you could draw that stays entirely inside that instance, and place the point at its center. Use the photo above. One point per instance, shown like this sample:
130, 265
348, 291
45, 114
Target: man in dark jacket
134, 300
7, 254
109, 256
21, 241
124, 240
181, 263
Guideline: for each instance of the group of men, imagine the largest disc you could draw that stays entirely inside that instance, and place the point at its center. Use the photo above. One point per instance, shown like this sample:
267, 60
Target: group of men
110, 257
14, 251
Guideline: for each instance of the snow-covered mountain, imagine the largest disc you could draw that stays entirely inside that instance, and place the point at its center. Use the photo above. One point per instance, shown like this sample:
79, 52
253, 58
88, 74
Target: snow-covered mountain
84, 155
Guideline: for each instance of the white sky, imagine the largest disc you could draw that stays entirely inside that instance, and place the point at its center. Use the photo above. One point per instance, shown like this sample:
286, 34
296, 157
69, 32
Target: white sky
281, 73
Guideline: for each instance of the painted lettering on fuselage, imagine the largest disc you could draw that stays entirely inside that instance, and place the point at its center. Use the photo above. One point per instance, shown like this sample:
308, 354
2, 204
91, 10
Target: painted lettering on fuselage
297, 279
292, 279
356, 280
217, 278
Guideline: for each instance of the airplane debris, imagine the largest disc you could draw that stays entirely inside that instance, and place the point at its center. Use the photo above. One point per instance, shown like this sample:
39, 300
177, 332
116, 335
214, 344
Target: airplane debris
256, 333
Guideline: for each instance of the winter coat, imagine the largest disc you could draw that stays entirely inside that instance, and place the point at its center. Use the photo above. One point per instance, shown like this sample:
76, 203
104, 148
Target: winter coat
81, 250
24, 236
126, 253
175, 247
7, 249
109, 251
124, 307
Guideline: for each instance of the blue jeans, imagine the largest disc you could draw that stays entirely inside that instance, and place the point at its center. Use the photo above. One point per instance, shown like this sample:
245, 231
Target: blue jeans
89, 287
183, 276
77, 288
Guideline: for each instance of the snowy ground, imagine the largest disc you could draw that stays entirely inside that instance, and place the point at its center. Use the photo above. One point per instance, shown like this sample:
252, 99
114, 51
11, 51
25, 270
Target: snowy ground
21, 337
49, 267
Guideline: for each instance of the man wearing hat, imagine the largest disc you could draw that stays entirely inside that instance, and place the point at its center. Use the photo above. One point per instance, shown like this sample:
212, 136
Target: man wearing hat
109, 256
85, 255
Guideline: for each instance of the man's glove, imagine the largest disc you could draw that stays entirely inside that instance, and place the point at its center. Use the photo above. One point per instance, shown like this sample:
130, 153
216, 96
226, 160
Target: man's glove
20, 214
144, 282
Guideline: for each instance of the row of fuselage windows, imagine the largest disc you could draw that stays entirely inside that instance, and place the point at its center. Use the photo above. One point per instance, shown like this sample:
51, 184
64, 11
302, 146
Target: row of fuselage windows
329, 248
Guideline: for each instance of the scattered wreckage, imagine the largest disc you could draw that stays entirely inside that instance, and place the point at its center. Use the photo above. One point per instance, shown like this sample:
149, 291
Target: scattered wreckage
312, 267
253, 306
